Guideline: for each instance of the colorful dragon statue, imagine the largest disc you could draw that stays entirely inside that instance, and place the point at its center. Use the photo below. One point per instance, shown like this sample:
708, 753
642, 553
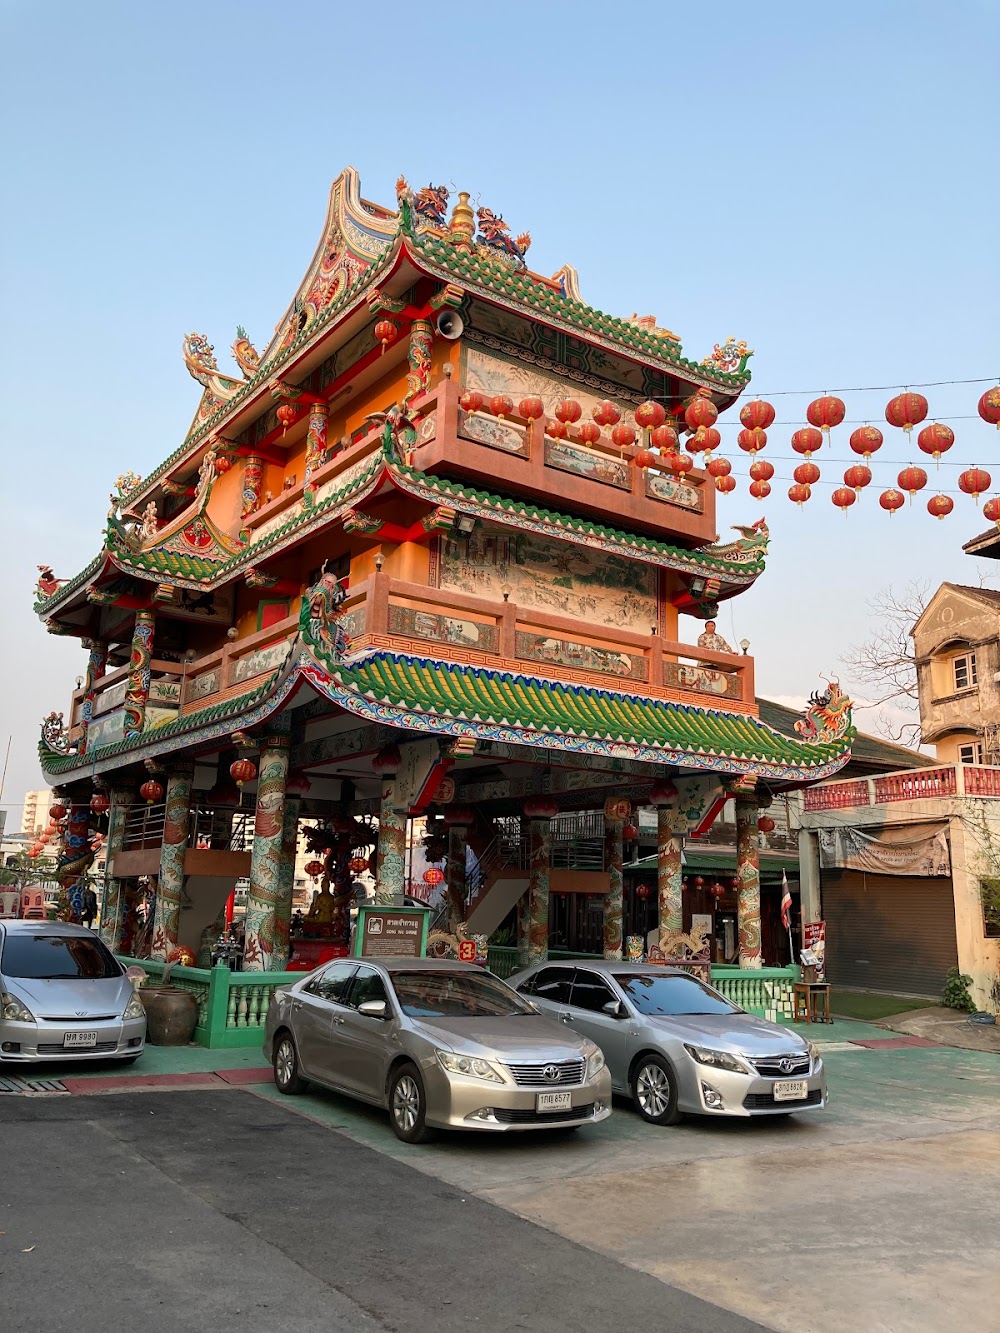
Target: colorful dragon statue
319, 618
245, 354
431, 203
495, 233
749, 548
827, 716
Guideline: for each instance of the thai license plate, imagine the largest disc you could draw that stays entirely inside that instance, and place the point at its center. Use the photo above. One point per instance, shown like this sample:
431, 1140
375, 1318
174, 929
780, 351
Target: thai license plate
791, 1090
79, 1040
553, 1101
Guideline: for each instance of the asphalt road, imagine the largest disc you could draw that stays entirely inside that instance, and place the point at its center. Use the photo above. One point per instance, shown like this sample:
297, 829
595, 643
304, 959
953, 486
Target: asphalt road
187, 1211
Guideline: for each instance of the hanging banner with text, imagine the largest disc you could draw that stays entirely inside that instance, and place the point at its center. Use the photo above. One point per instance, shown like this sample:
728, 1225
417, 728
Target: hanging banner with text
916, 849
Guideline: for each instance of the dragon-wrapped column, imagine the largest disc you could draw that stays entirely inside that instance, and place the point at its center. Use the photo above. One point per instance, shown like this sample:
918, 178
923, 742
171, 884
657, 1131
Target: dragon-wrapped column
286, 882
97, 661
137, 690
540, 814
261, 936
614, 857
170, 880
113, 907
457, 818
316, 437
75, 860
669, 853
748, 878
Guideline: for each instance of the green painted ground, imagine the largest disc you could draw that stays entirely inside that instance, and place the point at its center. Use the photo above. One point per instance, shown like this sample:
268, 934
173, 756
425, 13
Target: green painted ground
861, 1004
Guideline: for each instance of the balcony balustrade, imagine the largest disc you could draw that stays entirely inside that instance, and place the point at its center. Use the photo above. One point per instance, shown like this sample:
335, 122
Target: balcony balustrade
912, 784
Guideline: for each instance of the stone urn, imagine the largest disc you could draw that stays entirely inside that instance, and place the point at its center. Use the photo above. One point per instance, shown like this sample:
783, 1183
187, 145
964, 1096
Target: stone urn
171, 1013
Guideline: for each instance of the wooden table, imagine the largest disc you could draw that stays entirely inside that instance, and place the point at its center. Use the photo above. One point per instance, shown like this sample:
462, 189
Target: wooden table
811, 1002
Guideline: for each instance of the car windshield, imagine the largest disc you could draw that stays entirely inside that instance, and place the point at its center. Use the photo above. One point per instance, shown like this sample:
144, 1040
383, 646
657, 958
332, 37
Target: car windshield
48, 957
455, 995
672, 995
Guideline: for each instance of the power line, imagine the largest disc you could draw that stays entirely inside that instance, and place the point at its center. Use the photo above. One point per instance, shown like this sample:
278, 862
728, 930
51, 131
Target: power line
876, 388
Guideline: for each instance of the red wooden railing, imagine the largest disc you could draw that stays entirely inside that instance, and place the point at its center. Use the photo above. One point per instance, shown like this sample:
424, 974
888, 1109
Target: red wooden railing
913, 784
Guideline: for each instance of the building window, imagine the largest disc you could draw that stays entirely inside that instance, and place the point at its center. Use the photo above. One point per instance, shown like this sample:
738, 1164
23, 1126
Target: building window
970, 754
964, 668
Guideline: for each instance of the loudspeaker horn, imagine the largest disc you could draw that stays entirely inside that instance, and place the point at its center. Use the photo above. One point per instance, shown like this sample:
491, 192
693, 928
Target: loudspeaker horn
450, 325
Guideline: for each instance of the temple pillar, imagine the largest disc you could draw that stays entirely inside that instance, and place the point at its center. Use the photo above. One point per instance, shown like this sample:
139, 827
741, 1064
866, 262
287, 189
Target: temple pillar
253, 485
669, 882
97, 661
112, 907
170, 878
286, 882
74, 861
316, 437
748, 877
391, 860
261, 935
540, 855
809, 879
421, 340
137, 690
613, 860
455, 872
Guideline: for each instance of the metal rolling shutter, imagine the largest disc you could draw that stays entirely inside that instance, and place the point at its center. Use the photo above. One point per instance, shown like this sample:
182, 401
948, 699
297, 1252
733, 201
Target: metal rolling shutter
888, 932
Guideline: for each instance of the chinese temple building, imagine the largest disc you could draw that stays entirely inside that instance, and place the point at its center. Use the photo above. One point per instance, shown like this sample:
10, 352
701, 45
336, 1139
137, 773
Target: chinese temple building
433, 552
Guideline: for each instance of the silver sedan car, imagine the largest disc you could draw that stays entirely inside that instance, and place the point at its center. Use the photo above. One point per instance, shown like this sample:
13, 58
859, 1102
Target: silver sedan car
439, 1044
64, 996
675, 1045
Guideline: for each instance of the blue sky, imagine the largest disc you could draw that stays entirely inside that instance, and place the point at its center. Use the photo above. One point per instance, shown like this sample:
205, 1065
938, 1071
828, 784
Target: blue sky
820, 180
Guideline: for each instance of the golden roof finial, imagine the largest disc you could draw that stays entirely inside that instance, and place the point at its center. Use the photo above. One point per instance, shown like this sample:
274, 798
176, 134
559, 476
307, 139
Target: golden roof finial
462, 224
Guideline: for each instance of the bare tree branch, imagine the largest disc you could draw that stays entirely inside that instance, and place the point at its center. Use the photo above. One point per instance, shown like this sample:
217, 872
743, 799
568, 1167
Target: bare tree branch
886, 663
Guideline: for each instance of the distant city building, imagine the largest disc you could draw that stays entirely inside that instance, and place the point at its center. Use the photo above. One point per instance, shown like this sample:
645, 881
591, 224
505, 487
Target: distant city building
35, 812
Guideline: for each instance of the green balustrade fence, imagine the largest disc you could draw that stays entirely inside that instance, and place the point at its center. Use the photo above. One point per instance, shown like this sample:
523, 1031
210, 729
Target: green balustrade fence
232, 1006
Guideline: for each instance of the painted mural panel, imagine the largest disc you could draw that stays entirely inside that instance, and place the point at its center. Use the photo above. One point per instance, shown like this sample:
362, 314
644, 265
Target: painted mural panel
106, 730
583, 656
261, 660
192, 604
202, 685
495, 434
590, 367
589, 463
352, 622
416, 624
543, 575
112, 697
673, 491
703, 679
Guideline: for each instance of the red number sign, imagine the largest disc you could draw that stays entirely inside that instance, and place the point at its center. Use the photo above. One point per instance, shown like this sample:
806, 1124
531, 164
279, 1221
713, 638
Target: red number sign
467, 951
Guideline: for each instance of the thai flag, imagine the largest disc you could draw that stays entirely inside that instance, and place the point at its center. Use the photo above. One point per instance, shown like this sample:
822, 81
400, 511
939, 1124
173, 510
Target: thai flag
786, 902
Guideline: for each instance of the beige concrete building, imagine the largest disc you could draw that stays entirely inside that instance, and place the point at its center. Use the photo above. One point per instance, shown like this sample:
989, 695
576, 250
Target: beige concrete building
957, 647
35, 811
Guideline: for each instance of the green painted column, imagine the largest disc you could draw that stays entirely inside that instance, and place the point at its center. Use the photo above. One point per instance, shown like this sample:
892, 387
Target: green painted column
286, 882
669, 882
391, 861
112, 907
614, 857
261, 938
137, 690
540, 856
748, 876
170, 879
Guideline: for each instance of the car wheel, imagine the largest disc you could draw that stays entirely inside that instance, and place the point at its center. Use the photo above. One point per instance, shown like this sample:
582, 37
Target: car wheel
287, 1077
654, 1091
408, 1105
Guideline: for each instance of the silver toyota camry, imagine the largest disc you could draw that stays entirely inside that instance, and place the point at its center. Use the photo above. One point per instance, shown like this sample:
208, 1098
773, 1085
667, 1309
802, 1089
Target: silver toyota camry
64, 996
439, 1044
675, 1045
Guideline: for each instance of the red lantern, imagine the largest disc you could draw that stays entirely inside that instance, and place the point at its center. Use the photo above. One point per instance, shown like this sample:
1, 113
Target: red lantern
472, 401
606, 414
589, 432
568, 410
700, 411
766, 824
459, 816
387, 762
806, 474
286, 414
558, 430
906, 410
891, 500
643, 891
991, 510
725, 485
761, 470
34, 851
717, 891
57, 812
386, 332
541, 807
679, 463
644, 458
501, 406
650, 415
843, 497
242, 770
858, 476
433, 875
99, 803
531, 409
708, 439
866, 440
314, 869
807, 440
760, 490
357, 864
718, 467
912, 479
664, 438
222, 464
936, 439
752, 440
151, 792
757, 415
974, 481
630, 832
826, 412
940, 505
989, 407
623, 435
799, 493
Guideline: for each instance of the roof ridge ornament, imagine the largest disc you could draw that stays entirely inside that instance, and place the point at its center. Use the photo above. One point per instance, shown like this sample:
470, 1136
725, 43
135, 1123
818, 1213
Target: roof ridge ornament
731, 357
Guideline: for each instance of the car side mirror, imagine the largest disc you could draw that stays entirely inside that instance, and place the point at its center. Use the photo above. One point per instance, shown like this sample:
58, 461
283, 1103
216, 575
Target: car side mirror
615, 1008
373, 1009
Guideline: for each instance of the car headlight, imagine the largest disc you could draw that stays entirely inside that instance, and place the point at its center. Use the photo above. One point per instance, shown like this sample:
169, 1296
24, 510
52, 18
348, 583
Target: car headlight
12, 1009
718, 1059
468, 1065
595, 1064
134, 1008
813, 1051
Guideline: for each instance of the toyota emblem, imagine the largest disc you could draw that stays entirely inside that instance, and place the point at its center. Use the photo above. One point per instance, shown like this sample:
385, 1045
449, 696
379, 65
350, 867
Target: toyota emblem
551, 1073
786, 1065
